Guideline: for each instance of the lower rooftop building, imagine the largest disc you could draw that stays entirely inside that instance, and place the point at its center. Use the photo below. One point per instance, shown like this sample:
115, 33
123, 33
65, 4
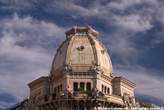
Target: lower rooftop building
81, 78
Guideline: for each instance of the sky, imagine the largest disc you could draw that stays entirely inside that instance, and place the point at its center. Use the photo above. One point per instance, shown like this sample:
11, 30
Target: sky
131, 30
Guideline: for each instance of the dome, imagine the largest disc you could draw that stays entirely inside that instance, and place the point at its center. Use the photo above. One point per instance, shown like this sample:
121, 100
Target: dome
81, 52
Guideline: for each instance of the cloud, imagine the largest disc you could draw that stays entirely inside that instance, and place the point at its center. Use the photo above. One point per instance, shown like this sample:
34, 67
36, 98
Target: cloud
24, 52
134, 23
136, 20
10, 49
16, 5
120, 40
121, 47
27, 45
28, 28
147, 81
124, 4
4, 105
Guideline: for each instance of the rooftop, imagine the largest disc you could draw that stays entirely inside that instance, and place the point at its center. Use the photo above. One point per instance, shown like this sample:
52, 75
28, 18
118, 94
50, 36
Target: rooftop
81, 30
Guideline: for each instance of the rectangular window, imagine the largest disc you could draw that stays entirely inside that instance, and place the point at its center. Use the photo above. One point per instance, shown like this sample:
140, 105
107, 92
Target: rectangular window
75, 86
82, 86
88, 86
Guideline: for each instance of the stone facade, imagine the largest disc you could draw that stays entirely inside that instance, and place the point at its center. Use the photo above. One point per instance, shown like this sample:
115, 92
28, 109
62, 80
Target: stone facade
81, 77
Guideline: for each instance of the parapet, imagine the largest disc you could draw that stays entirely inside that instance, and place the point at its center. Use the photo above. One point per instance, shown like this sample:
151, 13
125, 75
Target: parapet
81, 31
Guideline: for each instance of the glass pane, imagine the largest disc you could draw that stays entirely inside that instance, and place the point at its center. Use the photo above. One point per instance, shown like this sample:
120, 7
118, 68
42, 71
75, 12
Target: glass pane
88, 86
75, 86
82, 86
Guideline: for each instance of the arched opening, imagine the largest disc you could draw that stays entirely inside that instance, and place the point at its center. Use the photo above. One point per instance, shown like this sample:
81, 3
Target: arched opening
81, 105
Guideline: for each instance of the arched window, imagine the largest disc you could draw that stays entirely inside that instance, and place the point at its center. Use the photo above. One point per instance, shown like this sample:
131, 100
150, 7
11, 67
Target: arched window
61, 87
102, 88
108, 91
58, 89
105, 90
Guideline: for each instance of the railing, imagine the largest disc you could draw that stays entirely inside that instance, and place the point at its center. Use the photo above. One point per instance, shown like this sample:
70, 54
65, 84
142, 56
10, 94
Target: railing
88, 95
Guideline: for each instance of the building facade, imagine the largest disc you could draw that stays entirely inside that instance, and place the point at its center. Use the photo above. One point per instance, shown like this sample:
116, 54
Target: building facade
81, 77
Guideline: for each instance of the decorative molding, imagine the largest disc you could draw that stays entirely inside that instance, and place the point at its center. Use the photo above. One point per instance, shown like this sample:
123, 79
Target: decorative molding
67, 68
